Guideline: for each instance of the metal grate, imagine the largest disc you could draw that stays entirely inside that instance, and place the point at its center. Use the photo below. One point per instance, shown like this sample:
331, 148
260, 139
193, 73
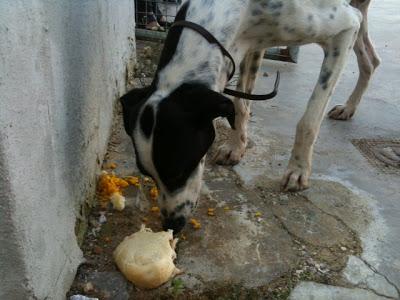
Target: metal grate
381, 153
155, 15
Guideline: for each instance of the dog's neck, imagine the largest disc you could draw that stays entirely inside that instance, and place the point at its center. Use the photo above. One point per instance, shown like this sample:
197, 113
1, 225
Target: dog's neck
193, 59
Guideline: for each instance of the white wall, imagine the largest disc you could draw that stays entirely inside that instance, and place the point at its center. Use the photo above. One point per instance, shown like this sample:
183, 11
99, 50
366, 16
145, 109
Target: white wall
62, 66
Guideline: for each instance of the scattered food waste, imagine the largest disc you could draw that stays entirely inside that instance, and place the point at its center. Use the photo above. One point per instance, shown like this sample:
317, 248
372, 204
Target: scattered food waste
110, 166
133, 180
155, 209
211, 212
196, 224
118, 201
110, 187
154, 193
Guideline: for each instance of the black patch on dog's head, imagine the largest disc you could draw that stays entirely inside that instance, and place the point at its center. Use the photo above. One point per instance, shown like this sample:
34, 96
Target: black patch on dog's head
131, 105
147, 121
184, 131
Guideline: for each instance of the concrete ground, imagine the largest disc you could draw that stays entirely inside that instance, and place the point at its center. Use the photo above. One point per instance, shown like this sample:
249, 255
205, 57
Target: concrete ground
338, 240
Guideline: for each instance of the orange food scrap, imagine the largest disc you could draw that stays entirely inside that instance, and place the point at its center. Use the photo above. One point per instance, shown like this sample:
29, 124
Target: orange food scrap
154, 193
108, 185
144, 219
211, 212
133, 180
196, 224
147, 180
258, 214
111, 165
155, 209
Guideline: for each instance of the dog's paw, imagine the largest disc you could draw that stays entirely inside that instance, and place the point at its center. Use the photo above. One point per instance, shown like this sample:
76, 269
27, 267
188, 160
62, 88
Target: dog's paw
229, 154
341, 112
295, 179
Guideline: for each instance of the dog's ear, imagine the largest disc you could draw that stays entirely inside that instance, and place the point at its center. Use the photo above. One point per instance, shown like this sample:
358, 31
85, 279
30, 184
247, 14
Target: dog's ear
217, 105
131, 103
209, 105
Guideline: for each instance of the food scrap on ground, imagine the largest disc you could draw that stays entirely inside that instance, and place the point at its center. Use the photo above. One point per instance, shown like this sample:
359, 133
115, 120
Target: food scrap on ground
155, 209
110, 187
154, 193
146, 258
133, 180
111, 165
196, 224
211, 212
118, 201
258, 214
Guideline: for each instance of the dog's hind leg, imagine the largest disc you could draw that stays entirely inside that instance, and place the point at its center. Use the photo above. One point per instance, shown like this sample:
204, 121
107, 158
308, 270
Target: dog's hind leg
233, 150
337, 50
368, 61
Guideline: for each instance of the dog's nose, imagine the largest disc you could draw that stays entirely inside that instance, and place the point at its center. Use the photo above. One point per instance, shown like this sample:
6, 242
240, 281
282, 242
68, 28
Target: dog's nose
176, 224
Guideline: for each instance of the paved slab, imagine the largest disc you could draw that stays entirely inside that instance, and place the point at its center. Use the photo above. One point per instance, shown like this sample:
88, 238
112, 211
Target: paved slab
311, 291
361, 275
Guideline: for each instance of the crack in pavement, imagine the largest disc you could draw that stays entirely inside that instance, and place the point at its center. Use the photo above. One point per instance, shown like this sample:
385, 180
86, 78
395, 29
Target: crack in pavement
373, 269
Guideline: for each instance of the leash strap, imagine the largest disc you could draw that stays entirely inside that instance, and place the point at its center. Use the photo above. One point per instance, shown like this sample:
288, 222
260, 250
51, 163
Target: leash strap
212, 40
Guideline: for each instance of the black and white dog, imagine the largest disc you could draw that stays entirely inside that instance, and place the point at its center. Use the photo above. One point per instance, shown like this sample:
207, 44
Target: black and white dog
171, 122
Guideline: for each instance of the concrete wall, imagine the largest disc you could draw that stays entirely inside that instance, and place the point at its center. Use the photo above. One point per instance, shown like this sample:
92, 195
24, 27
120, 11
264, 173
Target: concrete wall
62, 66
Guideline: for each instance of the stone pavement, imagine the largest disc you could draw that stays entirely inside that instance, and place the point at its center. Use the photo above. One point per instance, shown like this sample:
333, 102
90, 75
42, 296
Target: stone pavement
338, 240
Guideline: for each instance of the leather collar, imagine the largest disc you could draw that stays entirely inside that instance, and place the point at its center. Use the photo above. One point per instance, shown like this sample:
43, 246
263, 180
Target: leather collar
212, 40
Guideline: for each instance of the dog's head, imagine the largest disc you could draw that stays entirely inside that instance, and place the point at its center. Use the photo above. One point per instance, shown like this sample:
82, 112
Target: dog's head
171, 135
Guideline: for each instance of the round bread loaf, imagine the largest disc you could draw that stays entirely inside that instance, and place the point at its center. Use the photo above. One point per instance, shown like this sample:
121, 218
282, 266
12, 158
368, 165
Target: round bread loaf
146, 258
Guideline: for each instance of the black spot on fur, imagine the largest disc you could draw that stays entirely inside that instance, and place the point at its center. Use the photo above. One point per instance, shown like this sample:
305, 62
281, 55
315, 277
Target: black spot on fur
254, 69
272, 5
256, 12
324, 78
203, 67
336, 52
179, 208
147, 121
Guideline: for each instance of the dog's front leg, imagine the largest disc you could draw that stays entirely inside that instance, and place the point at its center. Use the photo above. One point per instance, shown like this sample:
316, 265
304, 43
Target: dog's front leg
233, 150
299, 168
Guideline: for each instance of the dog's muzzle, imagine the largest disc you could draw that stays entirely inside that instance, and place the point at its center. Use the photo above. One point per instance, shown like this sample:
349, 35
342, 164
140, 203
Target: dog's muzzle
176, 224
